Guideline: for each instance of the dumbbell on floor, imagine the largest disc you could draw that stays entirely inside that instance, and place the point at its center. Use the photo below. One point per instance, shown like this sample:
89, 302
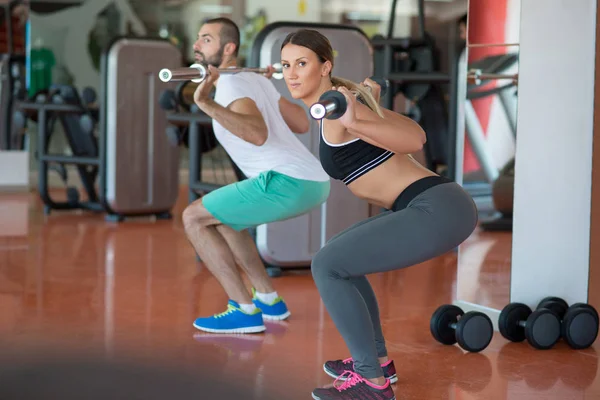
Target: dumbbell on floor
579, 322
473, 330
556, 304
541, 327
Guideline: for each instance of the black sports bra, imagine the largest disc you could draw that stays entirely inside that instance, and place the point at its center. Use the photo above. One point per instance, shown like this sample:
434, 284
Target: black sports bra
349, 161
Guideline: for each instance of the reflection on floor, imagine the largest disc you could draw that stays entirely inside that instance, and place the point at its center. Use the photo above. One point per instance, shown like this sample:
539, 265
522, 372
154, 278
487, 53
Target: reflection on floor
71, 283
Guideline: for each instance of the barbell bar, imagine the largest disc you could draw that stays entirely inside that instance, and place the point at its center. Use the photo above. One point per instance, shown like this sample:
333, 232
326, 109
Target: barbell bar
198, 72
476, 76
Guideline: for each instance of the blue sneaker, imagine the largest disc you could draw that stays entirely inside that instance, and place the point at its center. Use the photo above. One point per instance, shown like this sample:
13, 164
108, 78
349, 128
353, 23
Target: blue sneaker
234, 320
276, 311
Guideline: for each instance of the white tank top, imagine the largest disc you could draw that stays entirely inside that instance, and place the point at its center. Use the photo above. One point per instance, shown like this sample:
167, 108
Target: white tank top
282, 152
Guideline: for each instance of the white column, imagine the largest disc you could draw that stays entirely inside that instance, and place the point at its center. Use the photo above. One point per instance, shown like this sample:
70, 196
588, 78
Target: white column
552, 199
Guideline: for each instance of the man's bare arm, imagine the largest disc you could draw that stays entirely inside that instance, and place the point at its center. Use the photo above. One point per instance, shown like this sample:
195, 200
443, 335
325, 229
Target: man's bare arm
294, 115
242, 118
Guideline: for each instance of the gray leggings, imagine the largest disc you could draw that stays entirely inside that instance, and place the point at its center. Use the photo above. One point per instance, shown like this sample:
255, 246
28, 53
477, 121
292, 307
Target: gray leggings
432, 221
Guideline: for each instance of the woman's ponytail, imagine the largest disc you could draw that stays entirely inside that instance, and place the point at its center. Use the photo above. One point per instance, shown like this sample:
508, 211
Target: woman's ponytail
359, 91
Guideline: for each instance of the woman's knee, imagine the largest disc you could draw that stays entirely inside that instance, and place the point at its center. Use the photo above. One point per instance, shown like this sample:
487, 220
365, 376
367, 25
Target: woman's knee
325, 265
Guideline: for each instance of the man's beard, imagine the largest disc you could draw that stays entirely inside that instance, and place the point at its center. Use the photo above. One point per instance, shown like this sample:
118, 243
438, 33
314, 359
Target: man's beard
216, 60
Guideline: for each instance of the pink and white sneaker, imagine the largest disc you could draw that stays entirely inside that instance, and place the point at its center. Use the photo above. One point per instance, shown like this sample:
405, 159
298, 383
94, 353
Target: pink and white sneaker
355, 387
336, 369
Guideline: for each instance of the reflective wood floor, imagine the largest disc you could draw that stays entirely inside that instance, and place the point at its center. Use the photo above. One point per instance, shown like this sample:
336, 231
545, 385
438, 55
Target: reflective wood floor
72, 284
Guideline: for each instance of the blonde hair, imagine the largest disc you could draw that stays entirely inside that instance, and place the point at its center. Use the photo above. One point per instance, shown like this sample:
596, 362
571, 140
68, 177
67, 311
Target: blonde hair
360, 91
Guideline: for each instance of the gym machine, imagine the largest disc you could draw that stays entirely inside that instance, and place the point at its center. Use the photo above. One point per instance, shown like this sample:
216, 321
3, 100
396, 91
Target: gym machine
61, 103
411, 65
120, 146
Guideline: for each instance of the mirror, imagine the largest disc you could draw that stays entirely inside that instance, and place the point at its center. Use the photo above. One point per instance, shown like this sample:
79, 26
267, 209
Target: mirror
486, 141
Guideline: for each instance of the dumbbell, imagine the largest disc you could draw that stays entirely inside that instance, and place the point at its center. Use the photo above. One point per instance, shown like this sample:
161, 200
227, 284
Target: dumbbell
174, 135
472, 330
332, 104
88, 96
541, 327
579, 327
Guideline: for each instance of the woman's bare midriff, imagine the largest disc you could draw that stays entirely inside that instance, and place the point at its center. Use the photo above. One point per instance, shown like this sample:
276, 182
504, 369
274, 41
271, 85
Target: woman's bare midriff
382, 185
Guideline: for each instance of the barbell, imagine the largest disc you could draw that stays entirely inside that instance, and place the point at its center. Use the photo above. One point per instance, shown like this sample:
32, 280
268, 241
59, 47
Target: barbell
198, 72
332, 104
476, 76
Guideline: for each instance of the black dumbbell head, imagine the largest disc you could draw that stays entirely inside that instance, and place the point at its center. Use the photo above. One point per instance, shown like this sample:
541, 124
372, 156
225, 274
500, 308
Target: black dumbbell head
543, 329
474, 331
553, 298
173, 135
72, 195
330, 96
19, 120
580, 326
440, 323
41, 98
88, 96
508, 322
167, 100
556, 304
585, 305
87, 124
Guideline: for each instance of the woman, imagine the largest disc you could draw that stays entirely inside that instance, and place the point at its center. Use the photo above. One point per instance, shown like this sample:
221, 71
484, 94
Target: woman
426, 215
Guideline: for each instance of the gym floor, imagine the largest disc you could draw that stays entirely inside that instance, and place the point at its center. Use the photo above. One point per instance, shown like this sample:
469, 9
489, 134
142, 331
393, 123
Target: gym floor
71, 283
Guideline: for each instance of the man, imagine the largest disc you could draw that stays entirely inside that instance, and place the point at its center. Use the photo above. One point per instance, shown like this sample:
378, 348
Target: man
256, 126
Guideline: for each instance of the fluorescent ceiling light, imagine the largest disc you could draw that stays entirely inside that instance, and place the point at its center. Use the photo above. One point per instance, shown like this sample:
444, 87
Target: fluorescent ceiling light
216, 9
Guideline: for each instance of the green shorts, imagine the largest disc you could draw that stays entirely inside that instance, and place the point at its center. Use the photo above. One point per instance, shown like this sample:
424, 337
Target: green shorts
269, 197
